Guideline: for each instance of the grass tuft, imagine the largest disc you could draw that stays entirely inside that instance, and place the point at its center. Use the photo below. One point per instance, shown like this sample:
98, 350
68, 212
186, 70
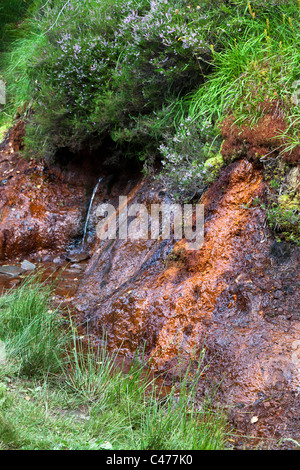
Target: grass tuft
30, 330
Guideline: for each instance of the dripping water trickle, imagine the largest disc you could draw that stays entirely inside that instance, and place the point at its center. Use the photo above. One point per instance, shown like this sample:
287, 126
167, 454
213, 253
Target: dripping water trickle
89, 212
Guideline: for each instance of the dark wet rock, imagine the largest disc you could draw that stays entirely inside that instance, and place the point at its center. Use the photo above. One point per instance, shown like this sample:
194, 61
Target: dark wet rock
278, 294
43, 208
280, 251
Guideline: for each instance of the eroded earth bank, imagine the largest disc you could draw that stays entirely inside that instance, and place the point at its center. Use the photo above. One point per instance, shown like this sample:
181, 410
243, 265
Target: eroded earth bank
237, 297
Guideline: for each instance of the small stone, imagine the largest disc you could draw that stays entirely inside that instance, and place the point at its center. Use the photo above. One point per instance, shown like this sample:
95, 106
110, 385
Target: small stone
78, 257
27, 266
11, 270
47, 258
76, 266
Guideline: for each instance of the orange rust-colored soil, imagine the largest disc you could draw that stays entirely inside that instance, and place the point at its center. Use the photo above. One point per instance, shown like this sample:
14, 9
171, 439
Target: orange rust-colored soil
237, 297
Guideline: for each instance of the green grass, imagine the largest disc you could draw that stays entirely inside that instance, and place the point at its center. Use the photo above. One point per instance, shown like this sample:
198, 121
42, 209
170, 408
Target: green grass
15, 71
31, 330
250, 70
11, 13
88, 402
18, 40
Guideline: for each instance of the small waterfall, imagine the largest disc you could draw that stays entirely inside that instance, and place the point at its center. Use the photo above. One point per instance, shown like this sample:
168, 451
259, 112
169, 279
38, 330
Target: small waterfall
89, 212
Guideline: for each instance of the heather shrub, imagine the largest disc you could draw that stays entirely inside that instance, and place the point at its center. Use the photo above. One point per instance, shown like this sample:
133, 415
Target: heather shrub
108, 68
189, 159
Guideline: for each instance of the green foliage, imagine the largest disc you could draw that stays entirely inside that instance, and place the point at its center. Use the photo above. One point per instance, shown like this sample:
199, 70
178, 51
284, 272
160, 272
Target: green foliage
126, 69
103, 68
284, 217
257, 64
283, 201
11, 12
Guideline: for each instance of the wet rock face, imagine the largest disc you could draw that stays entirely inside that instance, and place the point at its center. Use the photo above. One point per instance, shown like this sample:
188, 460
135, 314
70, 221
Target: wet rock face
39, 210
237, 297
43, 206
234, 296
